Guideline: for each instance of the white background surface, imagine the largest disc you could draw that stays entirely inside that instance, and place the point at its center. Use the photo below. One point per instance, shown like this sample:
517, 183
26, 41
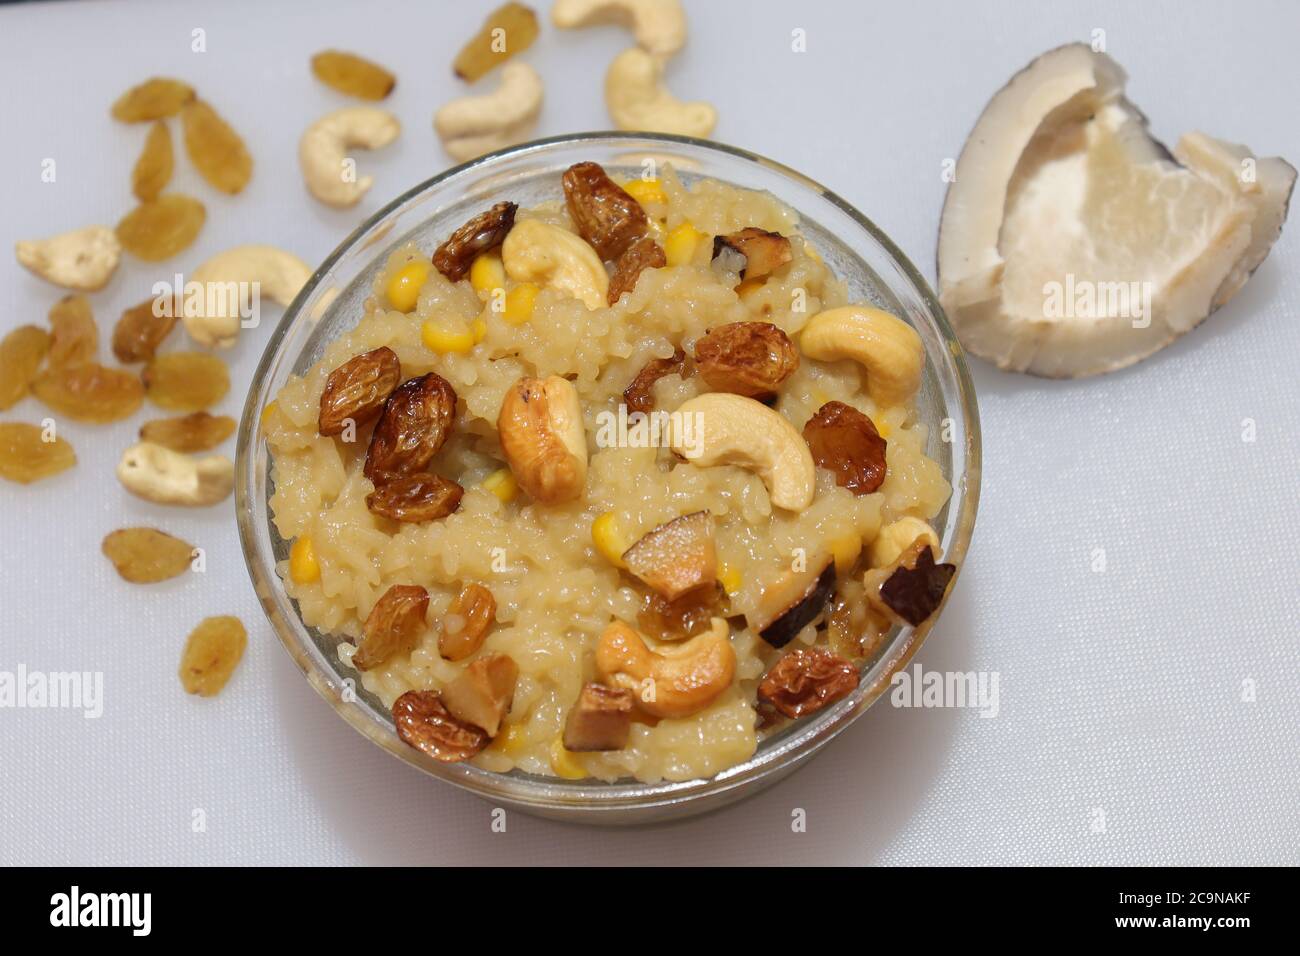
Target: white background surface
1120, 692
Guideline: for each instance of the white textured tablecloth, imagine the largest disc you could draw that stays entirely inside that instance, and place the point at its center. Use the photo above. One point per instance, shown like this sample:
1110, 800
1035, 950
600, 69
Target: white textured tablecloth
1122, 735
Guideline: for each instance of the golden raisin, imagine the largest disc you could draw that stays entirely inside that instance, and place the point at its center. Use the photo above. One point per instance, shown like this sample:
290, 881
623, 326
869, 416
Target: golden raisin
414, 424
140, 331
162, 227
146, 556
466, 623
357, 389
845, 441
393, 625
509, 29
807, 680
215, 149
154, 99
198, 431
747, 358
25, 455
602, 211
352, 74
481, 234
640, 395
643, 254
212, 653
415, 498
21, 353
186, 381
90, 392
74, 337
684, 617
425, 724
153, 170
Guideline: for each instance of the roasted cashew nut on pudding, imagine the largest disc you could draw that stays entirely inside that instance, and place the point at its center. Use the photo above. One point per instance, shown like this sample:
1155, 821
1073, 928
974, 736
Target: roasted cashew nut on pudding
612, 487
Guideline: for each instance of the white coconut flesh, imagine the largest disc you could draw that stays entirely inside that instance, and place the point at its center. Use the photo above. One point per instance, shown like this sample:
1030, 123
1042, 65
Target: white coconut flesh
1072, 243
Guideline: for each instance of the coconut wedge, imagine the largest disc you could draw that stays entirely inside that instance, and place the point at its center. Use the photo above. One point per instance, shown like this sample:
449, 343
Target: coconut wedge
1073, 243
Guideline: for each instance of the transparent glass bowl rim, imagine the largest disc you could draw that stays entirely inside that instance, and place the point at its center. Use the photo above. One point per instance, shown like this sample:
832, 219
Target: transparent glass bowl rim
624, 801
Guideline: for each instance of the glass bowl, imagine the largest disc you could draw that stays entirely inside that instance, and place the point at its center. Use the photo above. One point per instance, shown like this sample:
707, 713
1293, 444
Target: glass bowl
875, 270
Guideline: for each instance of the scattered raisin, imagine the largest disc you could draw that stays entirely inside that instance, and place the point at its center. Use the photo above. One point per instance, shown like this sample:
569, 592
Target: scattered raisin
393, 625
25, 456
154, 99
748, 358
513, 23
357, 389
763, 252
162, 227
21, 353
466, 623
195, 432
845, 441
74, 337
425, 724
211, 655
416, 498
186, 381
807, 680
414, 424
353, 75
640, 395
481, 234
603, 213
90, 392
153, 170
215, 149
140, 331
643, 254
147, 556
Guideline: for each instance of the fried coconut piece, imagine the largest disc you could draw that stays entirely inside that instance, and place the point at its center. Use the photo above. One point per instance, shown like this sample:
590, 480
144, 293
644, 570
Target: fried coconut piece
764, 252
600, 720
481, 234
676, 557
912, 588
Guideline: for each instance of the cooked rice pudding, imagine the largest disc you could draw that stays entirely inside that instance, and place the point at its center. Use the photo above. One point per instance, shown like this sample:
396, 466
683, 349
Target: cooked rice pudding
611, 487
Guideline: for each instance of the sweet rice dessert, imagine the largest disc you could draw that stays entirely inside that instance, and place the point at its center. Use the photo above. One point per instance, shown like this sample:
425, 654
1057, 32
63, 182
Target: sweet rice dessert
612, 487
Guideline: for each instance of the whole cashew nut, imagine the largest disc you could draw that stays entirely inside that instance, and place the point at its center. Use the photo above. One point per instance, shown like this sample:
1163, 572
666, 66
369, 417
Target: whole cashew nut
673, 680
538, 252
474, 125
229, 280
896, 537
637, 99
84, 259
734, 430
542, 435
659, 25
167, 477
886, 346
322, 151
